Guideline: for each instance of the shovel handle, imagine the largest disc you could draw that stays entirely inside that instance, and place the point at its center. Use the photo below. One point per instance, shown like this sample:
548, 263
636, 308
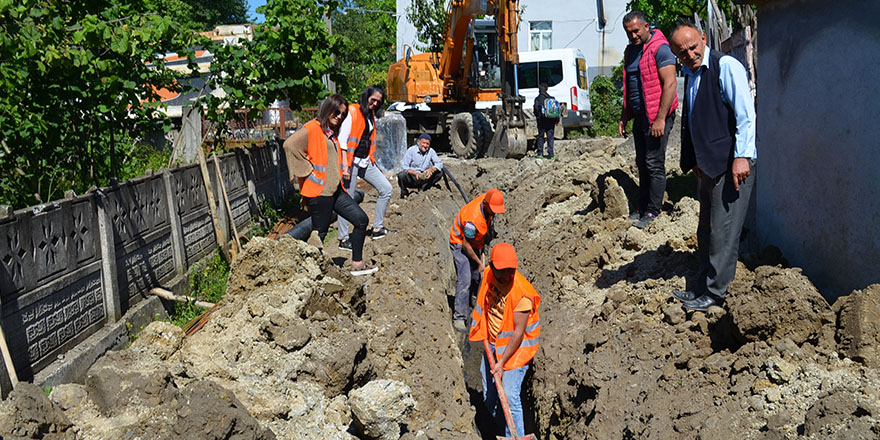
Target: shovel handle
502, 396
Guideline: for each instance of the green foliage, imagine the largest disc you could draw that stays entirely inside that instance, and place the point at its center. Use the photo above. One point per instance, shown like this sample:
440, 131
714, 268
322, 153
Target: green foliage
429, 19
606, 100
207, 282
368, 45
47, 389
665, 14
286, 59
72, 80
210, 13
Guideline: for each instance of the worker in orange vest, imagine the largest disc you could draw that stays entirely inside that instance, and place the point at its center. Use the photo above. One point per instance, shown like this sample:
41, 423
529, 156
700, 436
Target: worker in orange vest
315, 161
467, 237
506, 314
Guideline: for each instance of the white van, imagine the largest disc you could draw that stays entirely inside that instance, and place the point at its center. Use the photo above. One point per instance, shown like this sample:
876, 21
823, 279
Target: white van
565, 72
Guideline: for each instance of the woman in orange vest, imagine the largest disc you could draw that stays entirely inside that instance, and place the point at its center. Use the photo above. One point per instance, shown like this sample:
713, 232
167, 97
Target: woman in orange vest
467, 237
357, 135
506, 314
315, 162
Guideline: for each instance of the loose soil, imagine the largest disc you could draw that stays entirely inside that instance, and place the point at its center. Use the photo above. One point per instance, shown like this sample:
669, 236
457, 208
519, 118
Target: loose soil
296, 337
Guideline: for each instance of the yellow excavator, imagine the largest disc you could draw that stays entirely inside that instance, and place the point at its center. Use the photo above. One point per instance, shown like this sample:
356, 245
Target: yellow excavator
469, 91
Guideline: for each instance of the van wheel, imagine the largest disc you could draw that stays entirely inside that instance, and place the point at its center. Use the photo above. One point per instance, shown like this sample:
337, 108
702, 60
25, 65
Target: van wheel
462, 137
483, 132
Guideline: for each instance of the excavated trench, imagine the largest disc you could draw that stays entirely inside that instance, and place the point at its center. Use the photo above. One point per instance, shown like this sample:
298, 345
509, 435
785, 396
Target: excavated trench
298, 349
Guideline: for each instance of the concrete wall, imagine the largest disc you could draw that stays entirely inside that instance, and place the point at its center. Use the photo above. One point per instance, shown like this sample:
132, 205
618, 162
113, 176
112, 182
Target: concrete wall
818, 191
575, 25
69, 267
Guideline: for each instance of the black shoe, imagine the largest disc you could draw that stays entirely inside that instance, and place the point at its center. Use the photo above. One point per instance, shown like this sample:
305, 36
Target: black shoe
404, 195
643, 222
635, 216
702, 303
686, 295
345, 245
381, 233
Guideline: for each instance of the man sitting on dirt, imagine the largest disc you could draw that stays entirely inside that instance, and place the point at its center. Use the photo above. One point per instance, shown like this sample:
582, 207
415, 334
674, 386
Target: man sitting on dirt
506, 315
467, 237
718, 144
422, 168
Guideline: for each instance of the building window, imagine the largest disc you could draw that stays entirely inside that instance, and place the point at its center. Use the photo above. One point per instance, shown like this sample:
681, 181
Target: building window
541, 35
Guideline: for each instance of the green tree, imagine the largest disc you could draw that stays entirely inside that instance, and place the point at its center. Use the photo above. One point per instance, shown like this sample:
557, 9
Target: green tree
429, 19
369, 33
210, 13
289, 54
76, 84
666, 13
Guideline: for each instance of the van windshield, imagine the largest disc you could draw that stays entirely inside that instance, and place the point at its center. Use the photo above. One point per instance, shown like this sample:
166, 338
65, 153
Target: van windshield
533, 73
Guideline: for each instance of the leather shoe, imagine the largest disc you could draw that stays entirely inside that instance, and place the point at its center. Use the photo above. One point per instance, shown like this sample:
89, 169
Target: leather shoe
686, 295
701, 304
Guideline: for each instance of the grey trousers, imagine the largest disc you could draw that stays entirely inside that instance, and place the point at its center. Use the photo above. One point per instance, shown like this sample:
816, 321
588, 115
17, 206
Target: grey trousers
373, 175
467, 283
722, 212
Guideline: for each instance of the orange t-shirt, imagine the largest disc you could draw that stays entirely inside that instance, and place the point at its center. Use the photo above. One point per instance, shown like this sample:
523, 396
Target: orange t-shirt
496, 299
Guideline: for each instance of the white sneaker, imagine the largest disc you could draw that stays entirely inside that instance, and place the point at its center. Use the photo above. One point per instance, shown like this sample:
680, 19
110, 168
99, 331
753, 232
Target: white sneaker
366, 270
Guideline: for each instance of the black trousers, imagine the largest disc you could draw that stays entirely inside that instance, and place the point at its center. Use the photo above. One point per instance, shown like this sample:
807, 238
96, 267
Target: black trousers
406, 180
651, 162
325, 208
545, 132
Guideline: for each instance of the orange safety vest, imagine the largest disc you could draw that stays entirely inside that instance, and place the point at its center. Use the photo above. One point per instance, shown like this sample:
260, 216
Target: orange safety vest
358, 125
314, 183
520, 287
472, 212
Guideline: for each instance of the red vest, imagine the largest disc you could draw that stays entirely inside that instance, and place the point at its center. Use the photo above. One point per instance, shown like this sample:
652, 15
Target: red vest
651, 86
317, 152
358, 125
519, 288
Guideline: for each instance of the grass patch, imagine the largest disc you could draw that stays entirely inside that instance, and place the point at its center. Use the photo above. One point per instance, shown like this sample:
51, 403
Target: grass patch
207, 282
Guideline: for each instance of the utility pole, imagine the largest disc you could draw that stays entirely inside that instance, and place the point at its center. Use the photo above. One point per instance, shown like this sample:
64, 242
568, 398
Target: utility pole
329, 83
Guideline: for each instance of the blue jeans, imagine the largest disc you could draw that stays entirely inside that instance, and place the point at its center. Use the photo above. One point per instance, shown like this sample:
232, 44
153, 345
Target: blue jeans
467, 283
512, 381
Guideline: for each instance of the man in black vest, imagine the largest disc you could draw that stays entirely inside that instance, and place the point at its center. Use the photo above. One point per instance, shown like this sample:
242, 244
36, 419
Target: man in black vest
718, 144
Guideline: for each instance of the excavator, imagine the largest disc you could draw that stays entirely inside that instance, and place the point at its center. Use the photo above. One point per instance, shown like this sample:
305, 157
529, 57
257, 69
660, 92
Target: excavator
469, 91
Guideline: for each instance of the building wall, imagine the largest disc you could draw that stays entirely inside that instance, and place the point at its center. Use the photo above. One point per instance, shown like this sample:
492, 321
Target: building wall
575, 25
818, 195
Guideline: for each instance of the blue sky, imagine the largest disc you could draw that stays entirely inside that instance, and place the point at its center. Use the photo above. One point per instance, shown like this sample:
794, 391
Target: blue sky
252, 10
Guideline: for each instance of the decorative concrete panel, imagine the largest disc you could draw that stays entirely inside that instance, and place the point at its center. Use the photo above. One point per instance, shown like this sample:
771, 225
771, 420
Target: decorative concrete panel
136, 208
145, 267
263, 164
198, 237
189, 190
41, 323
15, 257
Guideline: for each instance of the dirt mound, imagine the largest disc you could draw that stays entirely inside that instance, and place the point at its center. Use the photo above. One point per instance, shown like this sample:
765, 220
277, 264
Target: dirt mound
859, 325
298, 349
775, 303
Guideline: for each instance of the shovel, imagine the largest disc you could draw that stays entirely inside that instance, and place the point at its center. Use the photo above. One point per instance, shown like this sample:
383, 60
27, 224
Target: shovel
503, 398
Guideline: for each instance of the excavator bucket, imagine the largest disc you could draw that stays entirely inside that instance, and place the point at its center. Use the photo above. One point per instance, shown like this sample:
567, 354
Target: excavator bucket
508, 143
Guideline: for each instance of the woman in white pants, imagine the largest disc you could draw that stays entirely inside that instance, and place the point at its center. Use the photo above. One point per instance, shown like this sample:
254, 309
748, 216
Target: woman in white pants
358, 132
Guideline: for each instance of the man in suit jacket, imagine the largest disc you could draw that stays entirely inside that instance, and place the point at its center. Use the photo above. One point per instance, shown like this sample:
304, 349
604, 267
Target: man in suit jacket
718, 144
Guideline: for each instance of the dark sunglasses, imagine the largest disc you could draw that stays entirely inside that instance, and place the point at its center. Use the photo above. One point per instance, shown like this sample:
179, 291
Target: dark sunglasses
338, 112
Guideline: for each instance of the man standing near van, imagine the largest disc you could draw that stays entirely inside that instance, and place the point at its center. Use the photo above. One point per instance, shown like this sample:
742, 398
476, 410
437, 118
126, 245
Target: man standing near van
650, 101
546, 123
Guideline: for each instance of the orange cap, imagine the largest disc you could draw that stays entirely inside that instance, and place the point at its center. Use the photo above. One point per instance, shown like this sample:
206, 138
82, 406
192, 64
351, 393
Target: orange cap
496, 201
503, 256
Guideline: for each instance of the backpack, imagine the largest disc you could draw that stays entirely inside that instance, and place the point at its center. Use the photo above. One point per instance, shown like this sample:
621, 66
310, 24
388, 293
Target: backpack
551, 108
